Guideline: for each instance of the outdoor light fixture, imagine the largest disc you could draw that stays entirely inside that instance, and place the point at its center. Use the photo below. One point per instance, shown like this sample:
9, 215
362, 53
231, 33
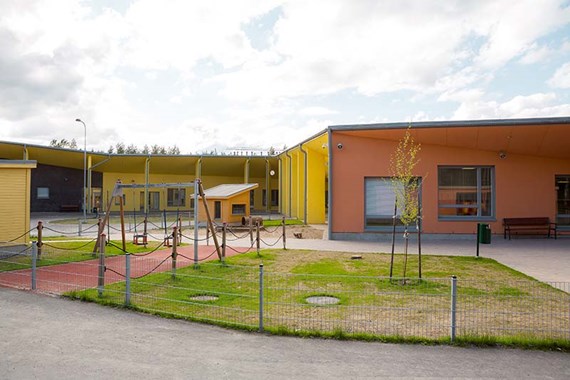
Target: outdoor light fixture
272, 172
339, 146
502, 155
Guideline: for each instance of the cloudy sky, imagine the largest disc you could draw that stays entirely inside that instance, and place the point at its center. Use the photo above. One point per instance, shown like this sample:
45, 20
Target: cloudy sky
225, 74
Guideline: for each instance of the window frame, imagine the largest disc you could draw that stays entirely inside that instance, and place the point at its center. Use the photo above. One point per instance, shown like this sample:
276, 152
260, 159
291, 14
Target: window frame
176, 200
238, 205
399, 225
479, 195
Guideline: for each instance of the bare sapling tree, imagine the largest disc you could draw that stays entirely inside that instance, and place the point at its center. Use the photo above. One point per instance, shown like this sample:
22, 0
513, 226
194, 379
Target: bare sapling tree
406, 186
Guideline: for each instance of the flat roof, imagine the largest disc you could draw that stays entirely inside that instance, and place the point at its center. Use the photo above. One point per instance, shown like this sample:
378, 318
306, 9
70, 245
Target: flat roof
229, 190
455, 123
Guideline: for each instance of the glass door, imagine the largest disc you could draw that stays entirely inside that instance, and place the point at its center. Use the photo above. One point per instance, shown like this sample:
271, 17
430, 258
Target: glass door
563, 200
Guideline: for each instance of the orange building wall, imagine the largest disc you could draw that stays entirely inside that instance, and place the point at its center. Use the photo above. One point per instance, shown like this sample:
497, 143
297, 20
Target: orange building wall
524, 185
227, 215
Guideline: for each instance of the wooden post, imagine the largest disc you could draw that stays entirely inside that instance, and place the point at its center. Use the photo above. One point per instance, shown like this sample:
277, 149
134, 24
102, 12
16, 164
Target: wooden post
225, 226
106, 220
179, 230
174, 252
250, 221
257, 240
101, 272
284, 235
40, 243
210, 223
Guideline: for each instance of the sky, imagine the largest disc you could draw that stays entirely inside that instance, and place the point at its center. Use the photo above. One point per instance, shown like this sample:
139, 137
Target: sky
213, 75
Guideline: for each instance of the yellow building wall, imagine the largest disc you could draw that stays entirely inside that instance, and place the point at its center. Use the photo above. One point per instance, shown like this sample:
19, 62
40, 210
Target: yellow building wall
132, 196
15, 181
316, 187
293, 183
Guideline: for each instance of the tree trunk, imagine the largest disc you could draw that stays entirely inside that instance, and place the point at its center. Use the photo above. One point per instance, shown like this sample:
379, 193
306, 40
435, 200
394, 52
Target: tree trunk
406, 238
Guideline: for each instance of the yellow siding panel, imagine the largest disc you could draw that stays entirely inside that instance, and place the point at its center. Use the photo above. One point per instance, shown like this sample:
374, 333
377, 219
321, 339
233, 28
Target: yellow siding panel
14, 205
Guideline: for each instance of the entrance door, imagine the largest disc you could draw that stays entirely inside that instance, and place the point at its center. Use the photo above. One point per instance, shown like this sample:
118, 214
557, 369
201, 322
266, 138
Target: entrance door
153, 201
563, 200
217, 210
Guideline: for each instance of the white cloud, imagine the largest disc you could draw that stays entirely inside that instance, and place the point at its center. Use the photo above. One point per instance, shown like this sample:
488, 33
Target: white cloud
535, 105
561, 78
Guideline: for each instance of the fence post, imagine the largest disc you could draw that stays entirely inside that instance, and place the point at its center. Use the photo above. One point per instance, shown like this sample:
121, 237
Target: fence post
34, 263
174, 247
224, 227
284, 235
257, 236
127, 279
260, 297
40, 238
453, 308
101, 275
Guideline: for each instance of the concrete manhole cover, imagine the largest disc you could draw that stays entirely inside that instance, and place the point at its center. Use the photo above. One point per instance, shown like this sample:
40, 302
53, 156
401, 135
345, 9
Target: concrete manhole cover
322, 300
204, 298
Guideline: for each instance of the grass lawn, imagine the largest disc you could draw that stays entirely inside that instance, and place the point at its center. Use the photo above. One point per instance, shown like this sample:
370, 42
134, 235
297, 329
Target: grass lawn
495, 303
278, 222
60, 249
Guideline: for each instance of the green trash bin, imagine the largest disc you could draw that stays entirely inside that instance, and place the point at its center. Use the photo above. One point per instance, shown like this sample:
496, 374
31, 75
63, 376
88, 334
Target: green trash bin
484, 233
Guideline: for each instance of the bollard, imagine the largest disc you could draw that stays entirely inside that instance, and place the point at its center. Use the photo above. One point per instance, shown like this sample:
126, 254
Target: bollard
174, 253
260, 297
40, 242
257, 237
224, 227
79, 223
34, 263
101, 274
453, 307
284, 234
207, 236
127, 279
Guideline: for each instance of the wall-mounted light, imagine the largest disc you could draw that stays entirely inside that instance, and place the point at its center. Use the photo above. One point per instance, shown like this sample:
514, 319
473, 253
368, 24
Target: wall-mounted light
339, 146
272, 172
502, 154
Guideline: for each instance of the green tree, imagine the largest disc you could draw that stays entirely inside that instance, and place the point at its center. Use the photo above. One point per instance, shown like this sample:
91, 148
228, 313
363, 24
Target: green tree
406, 186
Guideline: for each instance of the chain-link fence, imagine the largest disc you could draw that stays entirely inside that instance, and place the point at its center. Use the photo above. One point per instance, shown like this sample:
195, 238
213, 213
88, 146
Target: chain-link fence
251, 297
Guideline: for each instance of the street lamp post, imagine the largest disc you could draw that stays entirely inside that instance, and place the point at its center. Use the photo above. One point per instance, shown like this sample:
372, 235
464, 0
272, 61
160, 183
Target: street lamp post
84, 167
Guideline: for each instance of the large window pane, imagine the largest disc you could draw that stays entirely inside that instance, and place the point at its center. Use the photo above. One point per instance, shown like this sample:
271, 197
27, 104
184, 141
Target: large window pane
379, 203
176, 197
465, 192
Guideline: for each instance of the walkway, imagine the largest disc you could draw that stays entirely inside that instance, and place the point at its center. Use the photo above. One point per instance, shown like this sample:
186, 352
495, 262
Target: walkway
54, 338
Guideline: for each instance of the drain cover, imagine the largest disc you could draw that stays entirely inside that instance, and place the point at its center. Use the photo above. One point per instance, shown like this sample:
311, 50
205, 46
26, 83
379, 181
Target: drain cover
204, 298
322, 300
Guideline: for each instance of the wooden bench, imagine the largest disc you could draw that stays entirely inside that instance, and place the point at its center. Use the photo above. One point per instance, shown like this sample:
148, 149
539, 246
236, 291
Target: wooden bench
66, 208
528, 224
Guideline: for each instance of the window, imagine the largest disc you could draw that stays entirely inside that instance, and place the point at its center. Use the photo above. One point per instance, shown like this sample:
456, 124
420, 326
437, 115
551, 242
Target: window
176, 197
274, 198
43, 192
191, 204
379, 201
466, 192
238, 209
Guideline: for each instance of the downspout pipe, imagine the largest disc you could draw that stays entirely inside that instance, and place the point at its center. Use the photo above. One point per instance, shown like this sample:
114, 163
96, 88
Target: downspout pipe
305, 201
330, 202
280, 168
267, 194
290, 185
